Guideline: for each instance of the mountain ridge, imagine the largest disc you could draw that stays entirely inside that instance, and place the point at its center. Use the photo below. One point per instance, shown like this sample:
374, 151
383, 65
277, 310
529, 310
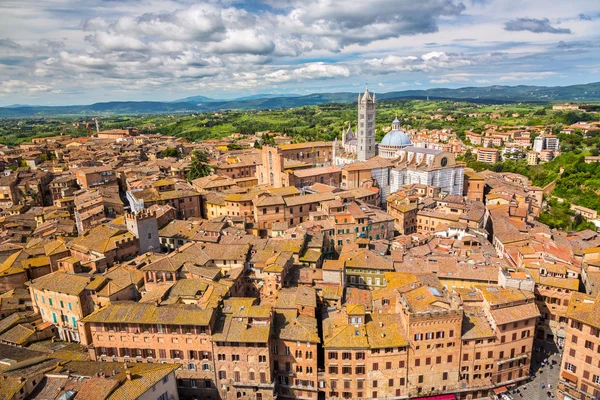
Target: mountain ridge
486, 94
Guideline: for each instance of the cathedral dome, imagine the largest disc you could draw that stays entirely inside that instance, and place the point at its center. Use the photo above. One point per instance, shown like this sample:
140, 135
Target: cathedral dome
395, 138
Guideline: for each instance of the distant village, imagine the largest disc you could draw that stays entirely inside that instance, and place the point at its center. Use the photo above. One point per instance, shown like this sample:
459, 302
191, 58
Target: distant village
350, 269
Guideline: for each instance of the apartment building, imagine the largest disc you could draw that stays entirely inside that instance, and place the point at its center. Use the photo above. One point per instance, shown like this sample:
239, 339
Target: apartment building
404, 213
295, 351
432, 320
63, 299
553, 290
511, 316
356, 220
580, 370
96, 176
147, 333
488, 155
244, 356
365, 355
364, 268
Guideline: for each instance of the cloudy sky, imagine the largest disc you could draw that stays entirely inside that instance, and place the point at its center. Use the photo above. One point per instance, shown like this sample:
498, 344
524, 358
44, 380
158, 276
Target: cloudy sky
84, 51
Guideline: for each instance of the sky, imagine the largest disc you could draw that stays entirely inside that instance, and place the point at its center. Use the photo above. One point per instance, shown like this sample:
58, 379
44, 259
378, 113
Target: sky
58, 52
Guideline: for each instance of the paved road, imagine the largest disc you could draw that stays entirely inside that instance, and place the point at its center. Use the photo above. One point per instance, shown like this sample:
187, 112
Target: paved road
543, 375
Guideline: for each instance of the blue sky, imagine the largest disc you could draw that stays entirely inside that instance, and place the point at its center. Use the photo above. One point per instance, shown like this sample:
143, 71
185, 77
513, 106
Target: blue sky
85, 51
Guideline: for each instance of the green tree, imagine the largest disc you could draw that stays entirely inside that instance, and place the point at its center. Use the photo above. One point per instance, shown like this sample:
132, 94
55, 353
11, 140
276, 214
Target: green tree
200, 166
234, 146
170, 152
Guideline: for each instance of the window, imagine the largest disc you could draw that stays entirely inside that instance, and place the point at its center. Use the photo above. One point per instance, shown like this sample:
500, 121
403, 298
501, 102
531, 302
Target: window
50, 301
570, 367
589, 345
70, 307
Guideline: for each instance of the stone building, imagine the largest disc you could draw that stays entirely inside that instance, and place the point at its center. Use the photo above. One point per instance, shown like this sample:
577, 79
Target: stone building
146, 333
242, 343
580, 370
144, 226
63, 299
427, 167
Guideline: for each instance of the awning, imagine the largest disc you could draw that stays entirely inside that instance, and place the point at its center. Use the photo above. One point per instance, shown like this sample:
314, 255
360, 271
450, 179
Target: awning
439, 397
561, 335
569, 376
500, 389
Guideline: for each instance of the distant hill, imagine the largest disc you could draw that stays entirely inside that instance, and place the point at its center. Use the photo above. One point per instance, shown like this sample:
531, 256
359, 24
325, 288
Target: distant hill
489, 94
196, 99
266, 96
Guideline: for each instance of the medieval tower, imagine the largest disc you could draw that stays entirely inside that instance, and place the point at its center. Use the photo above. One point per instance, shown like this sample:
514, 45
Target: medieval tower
366, 147
144, 226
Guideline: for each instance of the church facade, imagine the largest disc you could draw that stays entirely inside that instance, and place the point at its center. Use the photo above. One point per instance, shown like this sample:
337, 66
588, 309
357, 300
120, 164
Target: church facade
416, 165
408, 164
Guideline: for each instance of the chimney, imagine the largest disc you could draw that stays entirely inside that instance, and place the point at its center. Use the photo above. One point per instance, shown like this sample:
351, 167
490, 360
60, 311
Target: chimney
128, 374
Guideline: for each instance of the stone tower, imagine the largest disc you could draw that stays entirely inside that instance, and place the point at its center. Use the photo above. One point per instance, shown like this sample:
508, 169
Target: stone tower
144, 226
366, 147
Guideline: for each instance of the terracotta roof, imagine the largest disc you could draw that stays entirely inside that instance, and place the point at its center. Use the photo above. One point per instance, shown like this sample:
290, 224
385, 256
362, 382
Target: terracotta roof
143, 313
288, 325
509, 314
62, 282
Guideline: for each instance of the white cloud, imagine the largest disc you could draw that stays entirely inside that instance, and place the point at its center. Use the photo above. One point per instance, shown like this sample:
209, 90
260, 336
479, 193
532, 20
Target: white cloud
310, 71
166, 47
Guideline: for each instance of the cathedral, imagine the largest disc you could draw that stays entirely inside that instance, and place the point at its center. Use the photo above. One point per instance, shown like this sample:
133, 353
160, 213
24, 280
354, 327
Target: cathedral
409, 164
360, 146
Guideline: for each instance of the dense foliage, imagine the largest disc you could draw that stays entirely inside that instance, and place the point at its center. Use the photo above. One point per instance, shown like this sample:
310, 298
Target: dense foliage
199, 167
